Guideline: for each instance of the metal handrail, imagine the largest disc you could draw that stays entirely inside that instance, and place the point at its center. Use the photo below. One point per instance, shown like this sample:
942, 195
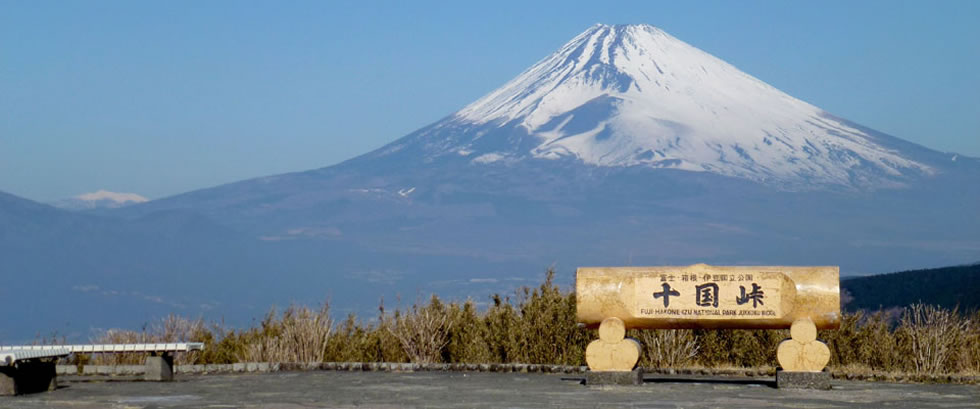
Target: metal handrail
112, 348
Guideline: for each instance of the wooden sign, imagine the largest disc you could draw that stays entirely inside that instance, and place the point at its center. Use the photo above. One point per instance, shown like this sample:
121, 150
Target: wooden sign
703, 296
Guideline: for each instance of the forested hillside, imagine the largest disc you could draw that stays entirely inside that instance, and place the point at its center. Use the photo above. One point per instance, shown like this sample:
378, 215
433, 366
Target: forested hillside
947, 286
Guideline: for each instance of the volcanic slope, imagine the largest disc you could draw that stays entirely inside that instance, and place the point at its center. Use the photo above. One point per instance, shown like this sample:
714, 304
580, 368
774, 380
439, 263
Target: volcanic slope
632, 95
625, 146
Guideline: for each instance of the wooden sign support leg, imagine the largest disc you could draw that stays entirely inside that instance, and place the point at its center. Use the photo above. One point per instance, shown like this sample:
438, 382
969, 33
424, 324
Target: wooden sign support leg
613, 357
802, 359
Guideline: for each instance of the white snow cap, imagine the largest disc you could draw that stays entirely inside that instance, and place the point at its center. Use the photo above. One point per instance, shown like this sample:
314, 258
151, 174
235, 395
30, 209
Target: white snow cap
112, 196
627, 95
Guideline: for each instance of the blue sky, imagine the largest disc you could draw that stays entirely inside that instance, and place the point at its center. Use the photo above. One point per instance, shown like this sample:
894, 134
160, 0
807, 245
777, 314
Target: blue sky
160, 98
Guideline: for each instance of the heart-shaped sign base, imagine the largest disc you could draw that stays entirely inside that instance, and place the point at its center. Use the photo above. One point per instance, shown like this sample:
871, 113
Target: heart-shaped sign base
613, 356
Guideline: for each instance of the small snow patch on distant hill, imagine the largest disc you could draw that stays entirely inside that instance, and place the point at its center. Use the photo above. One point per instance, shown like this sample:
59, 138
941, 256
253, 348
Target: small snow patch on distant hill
100, 199
112, 196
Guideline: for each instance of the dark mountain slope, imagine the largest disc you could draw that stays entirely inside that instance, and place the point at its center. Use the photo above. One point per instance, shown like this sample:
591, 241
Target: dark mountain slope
949, 287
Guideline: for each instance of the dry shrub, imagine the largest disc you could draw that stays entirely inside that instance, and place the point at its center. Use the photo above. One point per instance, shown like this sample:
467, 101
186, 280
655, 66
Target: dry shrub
756, 348
347, 342
739, 348
179, 329
931, 337
667, 348
353, 341
877, 347
380, 345
547, 331
423, 332
540, 328
468, 340
714, 347
120, 336
863, 341
971, 353
255, 345
301, 335
173, 328
844, 342
503, 331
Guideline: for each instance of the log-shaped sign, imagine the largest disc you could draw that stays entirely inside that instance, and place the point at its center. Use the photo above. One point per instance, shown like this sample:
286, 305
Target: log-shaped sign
703, 296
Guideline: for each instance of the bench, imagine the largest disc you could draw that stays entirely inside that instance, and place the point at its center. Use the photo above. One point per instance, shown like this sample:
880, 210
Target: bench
25, 368
801, 299
28, 370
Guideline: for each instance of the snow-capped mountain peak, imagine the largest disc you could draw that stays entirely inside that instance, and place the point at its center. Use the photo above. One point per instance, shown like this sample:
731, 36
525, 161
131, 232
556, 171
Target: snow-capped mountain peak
633, 95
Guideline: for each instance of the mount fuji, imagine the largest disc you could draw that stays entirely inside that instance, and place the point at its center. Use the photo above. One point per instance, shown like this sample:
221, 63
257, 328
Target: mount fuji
626, 146
632, 95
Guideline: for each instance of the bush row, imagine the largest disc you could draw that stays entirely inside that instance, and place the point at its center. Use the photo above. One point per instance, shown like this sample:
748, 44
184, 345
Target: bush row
537, 326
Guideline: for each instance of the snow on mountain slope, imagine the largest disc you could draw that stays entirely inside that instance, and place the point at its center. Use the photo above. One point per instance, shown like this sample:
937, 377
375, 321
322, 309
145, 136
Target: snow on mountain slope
100, 199
632, 95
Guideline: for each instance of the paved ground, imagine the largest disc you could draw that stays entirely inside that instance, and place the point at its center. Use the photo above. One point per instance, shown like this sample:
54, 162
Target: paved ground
478, 390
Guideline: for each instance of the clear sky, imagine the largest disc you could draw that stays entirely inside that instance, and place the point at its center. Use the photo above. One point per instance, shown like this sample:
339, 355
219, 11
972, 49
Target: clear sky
164, 97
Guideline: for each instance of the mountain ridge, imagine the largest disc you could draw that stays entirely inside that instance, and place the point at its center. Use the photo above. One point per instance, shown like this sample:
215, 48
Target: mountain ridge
950, 287
606, 99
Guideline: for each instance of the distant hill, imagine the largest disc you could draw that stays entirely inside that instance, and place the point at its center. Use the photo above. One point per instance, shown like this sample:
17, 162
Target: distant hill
947, 286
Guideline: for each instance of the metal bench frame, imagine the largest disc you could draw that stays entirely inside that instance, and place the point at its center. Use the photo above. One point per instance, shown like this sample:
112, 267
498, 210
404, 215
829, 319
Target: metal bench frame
27, 370
31, 368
